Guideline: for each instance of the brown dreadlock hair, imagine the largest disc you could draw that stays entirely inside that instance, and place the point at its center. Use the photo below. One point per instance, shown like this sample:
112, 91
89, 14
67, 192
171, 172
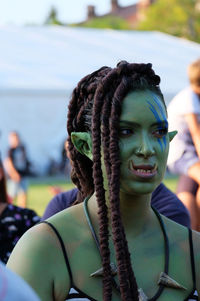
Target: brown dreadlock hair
95, 107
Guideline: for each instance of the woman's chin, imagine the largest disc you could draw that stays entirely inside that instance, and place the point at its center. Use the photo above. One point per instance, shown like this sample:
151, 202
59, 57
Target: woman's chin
139, 188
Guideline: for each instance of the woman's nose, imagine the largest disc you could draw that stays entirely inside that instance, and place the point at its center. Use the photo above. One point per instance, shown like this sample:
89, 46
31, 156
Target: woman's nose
146, 148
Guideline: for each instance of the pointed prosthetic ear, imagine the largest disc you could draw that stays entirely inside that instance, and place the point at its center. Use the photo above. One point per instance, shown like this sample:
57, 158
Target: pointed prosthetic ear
172, 135
83, 143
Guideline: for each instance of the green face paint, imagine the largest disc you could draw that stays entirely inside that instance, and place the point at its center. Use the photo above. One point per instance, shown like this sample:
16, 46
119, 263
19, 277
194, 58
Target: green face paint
144, 142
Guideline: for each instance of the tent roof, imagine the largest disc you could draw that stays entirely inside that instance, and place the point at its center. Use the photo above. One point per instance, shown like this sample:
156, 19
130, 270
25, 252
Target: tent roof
55, 58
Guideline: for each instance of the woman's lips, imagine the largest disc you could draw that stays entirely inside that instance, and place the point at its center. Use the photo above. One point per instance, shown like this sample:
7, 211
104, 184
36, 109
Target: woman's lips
144, 170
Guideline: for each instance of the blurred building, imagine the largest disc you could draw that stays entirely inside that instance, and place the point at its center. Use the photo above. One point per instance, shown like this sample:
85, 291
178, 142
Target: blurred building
131, 13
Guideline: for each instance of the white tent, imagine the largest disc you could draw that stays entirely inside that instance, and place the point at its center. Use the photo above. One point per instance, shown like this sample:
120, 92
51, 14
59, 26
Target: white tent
39, 67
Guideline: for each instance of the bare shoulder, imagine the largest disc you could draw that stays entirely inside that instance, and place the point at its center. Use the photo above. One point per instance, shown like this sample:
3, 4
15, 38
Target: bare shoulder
174, 229
180, 236
35, 239
71, 221
32, 260
180, 239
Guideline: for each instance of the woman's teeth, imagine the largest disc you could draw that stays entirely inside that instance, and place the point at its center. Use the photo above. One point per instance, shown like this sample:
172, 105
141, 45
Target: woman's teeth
144, 170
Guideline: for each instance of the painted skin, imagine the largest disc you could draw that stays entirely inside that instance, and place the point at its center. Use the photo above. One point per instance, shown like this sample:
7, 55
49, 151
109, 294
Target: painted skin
144, 142
38, 257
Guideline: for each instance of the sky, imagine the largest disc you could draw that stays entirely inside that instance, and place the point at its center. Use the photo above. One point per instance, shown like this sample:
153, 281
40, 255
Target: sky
22, 12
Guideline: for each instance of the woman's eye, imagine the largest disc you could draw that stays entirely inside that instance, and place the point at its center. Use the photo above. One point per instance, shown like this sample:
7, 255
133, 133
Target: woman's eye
159, 133
125, 132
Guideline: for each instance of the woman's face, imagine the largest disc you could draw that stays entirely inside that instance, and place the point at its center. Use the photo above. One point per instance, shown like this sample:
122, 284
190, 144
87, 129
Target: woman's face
143, 141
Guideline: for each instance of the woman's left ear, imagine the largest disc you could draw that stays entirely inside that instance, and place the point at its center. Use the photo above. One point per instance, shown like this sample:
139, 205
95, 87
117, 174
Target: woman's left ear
172, 135
83, 143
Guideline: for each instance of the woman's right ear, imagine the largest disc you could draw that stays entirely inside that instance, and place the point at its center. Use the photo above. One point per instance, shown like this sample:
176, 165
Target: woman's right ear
83, 143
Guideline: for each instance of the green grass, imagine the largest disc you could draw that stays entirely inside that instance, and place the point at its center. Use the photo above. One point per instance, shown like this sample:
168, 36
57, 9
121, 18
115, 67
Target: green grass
39, 193
171, 182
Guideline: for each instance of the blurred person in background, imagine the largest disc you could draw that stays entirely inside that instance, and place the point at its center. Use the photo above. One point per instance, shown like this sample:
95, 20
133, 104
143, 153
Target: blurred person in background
65, 166
184, 154
186, 190
65, 169
18, 168
14, 220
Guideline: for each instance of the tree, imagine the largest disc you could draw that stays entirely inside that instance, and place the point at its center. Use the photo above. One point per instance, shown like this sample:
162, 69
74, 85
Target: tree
176, 17
111, 22
52, 18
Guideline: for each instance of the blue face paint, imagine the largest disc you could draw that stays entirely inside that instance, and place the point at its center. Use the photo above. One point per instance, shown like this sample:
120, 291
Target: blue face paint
157, 101
154, 111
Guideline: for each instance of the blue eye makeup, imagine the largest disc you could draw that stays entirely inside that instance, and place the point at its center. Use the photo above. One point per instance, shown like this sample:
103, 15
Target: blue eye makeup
160, 132
162, 129
157, 101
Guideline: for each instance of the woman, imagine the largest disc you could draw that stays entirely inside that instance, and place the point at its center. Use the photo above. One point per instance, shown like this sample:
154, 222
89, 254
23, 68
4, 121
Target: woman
113, 245
14, 220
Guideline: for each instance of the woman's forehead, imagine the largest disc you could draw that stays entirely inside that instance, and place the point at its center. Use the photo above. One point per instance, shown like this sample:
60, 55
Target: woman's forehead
139, 103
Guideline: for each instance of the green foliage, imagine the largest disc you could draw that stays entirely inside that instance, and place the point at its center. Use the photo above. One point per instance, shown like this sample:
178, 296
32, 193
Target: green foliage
52, 18
110, 22
175, 17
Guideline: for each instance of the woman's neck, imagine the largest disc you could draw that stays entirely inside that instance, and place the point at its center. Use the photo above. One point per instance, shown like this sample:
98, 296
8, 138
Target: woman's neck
135, 211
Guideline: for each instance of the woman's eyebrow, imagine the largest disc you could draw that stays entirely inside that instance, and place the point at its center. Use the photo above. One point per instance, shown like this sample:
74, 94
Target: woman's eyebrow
163, 123
131, 123
126, 122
